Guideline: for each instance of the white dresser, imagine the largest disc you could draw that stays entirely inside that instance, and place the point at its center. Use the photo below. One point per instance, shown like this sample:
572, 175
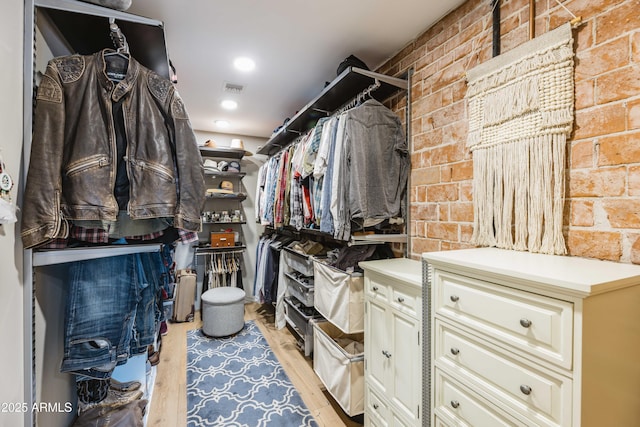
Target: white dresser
393, 344
533, 340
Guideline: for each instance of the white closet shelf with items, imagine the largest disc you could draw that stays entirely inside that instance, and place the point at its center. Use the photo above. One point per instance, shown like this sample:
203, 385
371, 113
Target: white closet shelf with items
73, 31
336, 184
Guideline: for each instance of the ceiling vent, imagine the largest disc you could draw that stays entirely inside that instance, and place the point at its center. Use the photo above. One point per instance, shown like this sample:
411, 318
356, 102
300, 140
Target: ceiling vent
233, 88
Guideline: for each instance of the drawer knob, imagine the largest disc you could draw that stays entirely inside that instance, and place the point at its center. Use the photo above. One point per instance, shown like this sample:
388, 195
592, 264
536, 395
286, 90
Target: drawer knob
454, 298
525, 389
454, 351
455, 404
525, 323
400, 299
376, 406
375, 289
386, 354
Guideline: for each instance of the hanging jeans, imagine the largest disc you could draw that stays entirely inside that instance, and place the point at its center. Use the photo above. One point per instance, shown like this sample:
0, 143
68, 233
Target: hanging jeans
110, 311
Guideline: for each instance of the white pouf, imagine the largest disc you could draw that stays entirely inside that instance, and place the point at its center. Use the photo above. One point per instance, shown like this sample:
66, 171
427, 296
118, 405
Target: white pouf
222, 311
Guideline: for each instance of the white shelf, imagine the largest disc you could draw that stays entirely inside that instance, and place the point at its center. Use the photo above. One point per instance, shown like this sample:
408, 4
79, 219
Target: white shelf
60, 256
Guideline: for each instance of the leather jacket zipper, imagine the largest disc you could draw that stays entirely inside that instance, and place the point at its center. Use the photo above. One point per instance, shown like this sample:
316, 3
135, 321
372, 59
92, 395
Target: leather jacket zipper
99, 161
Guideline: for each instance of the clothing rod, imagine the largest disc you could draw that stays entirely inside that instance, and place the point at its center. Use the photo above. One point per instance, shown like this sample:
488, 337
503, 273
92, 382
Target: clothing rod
220, 252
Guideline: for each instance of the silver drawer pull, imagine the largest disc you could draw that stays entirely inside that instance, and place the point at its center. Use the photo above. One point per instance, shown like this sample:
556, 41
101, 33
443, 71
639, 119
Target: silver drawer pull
454, 351
386, 354
454, 298
455, 404
376, 406
400, 299
375, 289
525, 389
525, 323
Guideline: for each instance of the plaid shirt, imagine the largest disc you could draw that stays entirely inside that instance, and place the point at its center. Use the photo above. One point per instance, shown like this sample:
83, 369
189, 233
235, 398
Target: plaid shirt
99, 235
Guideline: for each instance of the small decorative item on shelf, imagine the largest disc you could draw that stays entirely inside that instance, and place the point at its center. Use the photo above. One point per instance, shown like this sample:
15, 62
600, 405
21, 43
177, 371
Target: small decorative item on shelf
7, 207
223, 238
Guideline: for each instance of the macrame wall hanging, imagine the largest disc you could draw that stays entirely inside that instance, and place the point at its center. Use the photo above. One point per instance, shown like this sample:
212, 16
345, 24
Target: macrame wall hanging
521, 112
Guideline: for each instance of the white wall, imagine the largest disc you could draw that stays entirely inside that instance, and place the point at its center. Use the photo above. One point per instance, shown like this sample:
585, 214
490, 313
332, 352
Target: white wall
11, 294
249, 164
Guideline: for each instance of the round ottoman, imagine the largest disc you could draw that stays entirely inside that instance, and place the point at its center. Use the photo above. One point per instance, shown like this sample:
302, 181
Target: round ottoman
222, 311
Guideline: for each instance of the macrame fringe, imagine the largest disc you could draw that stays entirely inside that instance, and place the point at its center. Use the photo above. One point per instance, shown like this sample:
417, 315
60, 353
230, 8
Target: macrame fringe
519, 201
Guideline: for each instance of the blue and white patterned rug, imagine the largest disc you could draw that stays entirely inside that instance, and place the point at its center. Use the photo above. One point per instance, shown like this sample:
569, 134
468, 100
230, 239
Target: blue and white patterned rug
237, 381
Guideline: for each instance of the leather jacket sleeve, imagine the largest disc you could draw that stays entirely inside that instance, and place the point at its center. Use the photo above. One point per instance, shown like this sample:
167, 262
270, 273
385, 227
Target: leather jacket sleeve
189, 168
41, 214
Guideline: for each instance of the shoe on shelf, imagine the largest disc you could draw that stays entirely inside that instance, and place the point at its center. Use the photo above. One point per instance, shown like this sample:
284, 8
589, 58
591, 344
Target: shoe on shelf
164, 328
124, 386
114, 399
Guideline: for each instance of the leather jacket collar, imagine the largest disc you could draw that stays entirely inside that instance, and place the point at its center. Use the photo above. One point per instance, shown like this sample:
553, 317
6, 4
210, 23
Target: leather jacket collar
121, 88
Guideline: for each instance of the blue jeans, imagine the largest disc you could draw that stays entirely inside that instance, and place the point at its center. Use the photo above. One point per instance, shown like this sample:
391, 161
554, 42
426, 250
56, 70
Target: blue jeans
110, 305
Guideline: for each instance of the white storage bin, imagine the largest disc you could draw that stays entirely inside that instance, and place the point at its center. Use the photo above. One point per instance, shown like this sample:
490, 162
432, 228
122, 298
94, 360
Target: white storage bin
339, 297
299, 262
341, 371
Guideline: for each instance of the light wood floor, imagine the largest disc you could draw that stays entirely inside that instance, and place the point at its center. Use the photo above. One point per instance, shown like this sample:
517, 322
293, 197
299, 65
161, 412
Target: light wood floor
169, 400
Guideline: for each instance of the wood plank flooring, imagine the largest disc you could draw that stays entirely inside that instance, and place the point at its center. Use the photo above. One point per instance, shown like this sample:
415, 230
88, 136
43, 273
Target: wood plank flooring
169, 401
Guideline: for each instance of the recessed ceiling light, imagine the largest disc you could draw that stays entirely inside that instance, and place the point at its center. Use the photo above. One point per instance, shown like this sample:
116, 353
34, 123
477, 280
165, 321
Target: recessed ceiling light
222, 123
229, 104
244, 64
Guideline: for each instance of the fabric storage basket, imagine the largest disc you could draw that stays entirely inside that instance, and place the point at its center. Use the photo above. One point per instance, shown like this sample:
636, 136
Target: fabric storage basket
299, 262
339, 297
341, 371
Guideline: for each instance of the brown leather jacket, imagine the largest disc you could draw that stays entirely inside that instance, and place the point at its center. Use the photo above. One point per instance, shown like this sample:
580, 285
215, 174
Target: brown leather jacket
72, 168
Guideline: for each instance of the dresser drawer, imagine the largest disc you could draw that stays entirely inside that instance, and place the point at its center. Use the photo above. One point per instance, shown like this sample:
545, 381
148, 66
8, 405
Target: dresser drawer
376, 290
533, 391
532, 323
453, 401
376, 409
407, 302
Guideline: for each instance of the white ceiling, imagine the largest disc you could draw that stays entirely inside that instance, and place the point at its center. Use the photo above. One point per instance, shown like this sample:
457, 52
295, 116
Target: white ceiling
296, 44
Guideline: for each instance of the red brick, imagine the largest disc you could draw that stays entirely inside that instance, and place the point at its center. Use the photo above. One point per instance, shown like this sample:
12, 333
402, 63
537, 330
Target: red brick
582, 154
600, 120
450, 246
466, 231
445, 173
442, 193
585, 93
594, 244
634, 180
586, 9
510, 7
419, 245
514, 38
424, 211
430, 138
617, 20
510, 23
606, 182
425, 176
461, 212
620, 84
466, 191
443, 212
623, 213
447, 154
421, 193
619, 149
442, 231
635, 47
455, 132
635, 250
584, 36
453, 73
633, 114
582, 213
603, 58
462, 171
426, 104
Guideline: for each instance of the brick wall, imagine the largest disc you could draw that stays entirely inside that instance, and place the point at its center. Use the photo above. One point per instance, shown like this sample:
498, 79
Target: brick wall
602, 209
